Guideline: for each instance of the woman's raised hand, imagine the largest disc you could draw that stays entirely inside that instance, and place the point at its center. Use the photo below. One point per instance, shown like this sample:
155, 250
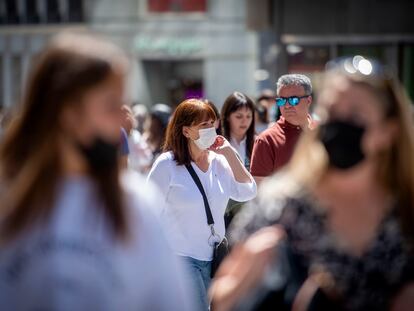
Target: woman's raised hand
221, 145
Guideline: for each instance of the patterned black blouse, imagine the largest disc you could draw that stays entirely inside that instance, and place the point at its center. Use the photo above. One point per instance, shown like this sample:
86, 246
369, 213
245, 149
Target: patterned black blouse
368, 282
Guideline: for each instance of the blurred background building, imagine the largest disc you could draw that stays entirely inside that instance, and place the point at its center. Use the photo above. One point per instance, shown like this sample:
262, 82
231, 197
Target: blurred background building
301, 35
209, 48
179, 49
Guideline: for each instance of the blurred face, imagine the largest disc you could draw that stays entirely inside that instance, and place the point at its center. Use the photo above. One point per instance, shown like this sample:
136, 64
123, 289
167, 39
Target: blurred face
346, 101
296, 115
268, 102
128, 120
99, 114
240, 121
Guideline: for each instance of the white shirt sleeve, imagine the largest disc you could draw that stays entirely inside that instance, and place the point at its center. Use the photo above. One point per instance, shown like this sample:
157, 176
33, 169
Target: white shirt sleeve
241, 192
160, 173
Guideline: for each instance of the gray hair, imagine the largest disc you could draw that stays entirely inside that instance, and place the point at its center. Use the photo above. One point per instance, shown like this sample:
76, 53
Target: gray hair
295, 79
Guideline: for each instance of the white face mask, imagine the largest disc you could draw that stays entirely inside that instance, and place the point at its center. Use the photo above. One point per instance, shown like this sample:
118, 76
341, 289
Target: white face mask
207, 138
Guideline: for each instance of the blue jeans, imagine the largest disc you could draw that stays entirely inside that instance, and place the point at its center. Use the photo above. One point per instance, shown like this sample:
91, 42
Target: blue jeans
199, 278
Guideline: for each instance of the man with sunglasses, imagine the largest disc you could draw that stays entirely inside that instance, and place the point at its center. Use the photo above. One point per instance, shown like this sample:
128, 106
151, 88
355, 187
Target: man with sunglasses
274, 147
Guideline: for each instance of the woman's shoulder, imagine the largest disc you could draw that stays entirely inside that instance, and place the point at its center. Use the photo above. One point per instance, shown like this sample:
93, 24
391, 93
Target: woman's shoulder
164, 160
167, 156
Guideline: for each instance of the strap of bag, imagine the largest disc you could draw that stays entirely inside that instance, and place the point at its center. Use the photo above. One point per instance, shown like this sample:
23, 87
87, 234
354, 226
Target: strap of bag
210, 220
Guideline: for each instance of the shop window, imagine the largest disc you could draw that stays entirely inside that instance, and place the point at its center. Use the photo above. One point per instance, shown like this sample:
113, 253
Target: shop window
1, 84
177, 6
306, 59
371, 51
16, 65
171, 82
32, 14
52, 11
75, 13
12, 15
407, 69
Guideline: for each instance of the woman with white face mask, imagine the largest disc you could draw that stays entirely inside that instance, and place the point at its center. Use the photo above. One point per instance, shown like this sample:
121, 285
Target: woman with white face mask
76, 233
192, 144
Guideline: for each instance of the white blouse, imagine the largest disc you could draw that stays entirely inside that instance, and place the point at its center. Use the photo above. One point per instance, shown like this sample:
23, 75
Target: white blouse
183, 217
240, 148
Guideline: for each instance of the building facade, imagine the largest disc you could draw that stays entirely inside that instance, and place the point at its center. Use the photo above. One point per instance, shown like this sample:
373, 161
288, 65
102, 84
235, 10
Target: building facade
178, 49
301, 35
210, 48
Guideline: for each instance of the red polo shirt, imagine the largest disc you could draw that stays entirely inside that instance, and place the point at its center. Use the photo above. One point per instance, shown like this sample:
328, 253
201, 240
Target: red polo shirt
273, 148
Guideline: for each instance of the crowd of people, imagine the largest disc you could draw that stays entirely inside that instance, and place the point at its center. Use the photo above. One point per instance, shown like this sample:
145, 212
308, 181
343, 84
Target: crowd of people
108, 205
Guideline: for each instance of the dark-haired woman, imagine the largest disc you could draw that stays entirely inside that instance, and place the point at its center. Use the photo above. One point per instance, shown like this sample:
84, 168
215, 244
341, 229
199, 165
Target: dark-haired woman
237, 117
74, 234
192, 143
217, 124
239, 128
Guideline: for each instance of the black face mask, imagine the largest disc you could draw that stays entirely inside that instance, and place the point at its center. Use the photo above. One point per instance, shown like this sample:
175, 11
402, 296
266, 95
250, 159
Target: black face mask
100, 155
342, 141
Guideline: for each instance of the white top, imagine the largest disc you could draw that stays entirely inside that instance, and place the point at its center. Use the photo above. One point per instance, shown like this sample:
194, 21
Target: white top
184, 216
240, 148
72, 262
140, 155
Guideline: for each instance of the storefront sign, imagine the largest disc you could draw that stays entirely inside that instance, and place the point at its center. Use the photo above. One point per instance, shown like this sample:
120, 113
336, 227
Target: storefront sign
168, 45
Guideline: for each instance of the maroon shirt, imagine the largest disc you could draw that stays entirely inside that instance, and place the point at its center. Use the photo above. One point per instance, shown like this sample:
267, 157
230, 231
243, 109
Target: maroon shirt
273, 148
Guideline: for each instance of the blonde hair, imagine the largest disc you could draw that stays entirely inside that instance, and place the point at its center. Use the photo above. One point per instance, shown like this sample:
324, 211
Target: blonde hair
395, 170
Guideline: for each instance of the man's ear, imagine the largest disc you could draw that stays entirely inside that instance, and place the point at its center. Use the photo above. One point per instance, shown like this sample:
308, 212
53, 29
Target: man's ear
310, 99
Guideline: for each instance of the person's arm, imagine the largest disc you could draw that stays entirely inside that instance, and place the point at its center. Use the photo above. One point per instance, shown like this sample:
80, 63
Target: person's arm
159, 175
124, 150
244, 268
261, 164
222, 146
258, 179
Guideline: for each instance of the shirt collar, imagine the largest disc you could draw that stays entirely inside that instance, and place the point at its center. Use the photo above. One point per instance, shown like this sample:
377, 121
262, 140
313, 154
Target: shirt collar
285, 124
234, 141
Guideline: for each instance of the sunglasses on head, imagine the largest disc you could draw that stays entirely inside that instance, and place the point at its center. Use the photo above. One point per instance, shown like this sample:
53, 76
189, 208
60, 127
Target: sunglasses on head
293, 100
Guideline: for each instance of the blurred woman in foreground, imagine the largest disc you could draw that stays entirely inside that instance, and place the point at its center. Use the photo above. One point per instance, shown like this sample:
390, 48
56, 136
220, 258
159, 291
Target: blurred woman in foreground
74, 235
343, 214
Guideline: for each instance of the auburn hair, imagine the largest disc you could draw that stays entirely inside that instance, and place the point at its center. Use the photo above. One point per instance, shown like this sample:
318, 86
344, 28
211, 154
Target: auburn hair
190, 112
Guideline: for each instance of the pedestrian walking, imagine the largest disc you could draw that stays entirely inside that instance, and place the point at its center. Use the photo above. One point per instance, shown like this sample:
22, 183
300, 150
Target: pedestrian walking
75, 233
193, 152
